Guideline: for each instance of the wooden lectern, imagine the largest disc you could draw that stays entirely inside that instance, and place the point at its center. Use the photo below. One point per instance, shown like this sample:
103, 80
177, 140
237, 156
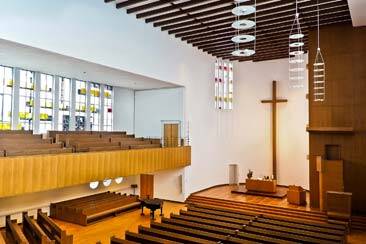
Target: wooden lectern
296, 195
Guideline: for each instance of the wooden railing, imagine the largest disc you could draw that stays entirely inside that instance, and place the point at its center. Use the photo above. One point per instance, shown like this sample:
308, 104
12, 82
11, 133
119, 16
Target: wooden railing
26, 174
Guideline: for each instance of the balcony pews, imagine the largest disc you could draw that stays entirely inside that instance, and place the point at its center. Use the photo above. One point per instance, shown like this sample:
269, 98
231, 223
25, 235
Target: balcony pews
92, 208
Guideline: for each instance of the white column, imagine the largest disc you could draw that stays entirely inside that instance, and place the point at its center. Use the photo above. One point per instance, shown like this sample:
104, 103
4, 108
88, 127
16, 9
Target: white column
87, 112
72, 105
56, 102
101, 117
15, 99
37, 102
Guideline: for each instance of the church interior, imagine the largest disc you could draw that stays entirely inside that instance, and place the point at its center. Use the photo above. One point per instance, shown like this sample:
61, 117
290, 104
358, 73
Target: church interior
182, 121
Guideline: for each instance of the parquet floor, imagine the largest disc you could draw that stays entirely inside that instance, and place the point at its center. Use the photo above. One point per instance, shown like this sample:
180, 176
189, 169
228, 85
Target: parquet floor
102, 231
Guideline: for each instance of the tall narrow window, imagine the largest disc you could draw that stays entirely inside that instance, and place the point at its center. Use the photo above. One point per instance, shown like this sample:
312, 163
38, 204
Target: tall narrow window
80, 105
94, 106
46, 103
63, 123
108, 113
6, 89
26, 100
223, 85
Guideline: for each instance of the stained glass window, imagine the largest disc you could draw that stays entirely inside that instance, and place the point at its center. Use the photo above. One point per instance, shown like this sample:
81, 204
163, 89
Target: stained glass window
64, 104
94, 106
46, 103
224, 85
80, 105
6, 91
26, 100
108, 113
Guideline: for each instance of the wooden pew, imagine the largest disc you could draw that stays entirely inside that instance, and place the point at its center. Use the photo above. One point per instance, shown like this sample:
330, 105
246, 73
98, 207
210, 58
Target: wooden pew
34, 232
246, 231
172, 236
141, 238
23, 132
52, 230
256, 222
14, 231
115, 240
202, 234
30, 146
89, 209
24, 152
84, 146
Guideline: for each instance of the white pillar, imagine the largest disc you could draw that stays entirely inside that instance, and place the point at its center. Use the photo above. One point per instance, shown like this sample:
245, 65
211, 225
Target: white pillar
101, 109
72, 105
56, 102
87, 112
15, 99
37, 102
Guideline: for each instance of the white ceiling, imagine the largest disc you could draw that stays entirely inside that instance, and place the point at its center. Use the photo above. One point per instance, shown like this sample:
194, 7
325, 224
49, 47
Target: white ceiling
18, 55
358, 12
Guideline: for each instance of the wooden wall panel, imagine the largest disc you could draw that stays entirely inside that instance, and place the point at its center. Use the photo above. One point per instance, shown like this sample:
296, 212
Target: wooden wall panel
344, 51
20, 175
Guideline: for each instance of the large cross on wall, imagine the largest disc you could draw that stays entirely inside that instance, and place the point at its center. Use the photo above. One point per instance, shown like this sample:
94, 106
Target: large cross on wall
274, 102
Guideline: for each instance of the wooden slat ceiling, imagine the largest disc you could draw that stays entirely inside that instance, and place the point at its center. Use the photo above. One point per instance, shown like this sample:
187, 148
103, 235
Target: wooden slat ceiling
206, 24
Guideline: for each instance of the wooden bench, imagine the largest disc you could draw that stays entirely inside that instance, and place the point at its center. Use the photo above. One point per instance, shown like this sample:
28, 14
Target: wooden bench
2, 238
24, 152
89, 209
14, 231
144, 146
261, 222
115, 240
34, 232
141, 238
52, 230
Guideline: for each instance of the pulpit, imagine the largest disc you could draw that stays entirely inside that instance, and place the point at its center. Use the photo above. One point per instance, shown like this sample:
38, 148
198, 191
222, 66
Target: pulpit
259, 185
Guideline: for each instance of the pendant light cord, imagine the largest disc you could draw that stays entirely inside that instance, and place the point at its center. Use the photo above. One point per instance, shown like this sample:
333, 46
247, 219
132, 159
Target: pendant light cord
318, 25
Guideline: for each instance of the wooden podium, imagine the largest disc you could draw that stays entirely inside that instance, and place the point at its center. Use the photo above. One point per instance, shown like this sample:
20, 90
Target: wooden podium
261, 185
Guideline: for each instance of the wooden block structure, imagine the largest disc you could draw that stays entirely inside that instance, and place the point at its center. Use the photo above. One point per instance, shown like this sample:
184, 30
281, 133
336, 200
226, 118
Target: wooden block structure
339, 205
146, 186
296, 195
330, 178
261, 185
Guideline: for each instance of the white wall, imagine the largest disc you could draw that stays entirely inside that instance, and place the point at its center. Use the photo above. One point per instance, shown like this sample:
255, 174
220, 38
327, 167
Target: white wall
153, 106
97, 32
123, 109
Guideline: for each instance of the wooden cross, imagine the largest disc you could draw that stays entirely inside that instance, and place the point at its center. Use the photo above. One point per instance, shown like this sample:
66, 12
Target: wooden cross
274, 102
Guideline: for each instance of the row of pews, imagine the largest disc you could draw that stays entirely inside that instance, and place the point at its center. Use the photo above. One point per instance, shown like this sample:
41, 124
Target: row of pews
89, 141
41, 231
22, 143
89, 209
213, 224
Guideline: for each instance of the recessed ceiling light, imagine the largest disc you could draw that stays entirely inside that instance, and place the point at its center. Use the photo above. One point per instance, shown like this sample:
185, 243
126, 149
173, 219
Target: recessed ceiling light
243, 52
94, 185
243, 24
243, 38
107, 182
243, 10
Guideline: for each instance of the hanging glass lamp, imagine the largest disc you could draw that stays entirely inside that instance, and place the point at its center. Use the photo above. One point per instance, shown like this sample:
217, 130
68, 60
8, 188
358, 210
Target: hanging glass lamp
319, 71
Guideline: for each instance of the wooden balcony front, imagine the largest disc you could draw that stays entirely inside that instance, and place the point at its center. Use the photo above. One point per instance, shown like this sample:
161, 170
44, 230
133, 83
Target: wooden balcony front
27, 174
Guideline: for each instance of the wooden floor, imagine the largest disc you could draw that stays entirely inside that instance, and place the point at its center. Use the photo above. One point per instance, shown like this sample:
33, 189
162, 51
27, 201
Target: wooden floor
102, 231
224, 192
